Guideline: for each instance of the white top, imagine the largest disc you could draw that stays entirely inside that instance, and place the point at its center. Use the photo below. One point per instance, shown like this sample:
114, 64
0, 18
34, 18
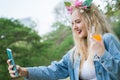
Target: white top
88, 71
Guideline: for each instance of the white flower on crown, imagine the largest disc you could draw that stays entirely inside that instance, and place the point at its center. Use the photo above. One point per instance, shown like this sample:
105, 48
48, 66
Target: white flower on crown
81, 10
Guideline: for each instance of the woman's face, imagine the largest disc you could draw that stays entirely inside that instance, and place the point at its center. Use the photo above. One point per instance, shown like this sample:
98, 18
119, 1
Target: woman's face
78, 26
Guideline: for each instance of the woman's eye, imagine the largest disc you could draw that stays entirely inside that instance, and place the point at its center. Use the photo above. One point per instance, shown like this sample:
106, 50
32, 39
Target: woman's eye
78, 21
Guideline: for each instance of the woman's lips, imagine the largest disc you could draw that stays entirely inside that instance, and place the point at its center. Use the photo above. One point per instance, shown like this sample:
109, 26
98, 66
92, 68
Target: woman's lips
79, 31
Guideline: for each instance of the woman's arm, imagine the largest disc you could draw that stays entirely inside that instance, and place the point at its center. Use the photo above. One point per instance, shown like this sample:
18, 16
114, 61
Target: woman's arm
111, 57
55, 71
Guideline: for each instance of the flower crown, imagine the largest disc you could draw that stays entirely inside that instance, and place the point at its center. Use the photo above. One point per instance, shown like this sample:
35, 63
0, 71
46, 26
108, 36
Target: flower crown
83, 5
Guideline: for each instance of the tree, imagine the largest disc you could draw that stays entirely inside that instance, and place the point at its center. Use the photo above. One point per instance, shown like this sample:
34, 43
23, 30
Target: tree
112, 7
58, 42
24, 42
113, 12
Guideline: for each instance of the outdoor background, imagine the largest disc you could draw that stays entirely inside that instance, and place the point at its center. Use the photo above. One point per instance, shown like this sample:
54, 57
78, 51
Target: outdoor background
35, 43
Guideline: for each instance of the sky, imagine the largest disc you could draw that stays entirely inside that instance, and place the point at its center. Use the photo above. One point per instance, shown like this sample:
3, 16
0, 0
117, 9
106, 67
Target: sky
40, 10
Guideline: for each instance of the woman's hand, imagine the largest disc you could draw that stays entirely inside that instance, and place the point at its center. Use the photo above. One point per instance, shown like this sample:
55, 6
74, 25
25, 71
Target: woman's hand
96, 47
21, 71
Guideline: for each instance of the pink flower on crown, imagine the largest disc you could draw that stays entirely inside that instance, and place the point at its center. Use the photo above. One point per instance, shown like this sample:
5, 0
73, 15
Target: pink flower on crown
78, 3
85, 7
70, 8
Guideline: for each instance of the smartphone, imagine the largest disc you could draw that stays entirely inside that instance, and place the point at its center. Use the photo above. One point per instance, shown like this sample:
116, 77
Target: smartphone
9, 53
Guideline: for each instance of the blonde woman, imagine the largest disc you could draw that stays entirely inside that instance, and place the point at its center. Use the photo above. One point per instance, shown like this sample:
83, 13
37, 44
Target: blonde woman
92, 58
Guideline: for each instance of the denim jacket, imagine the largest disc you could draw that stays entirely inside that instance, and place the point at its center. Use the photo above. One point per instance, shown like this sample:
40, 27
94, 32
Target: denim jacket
107, 67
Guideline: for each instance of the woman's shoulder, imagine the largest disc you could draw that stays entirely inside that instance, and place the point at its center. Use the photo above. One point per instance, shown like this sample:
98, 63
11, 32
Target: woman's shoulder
108, 37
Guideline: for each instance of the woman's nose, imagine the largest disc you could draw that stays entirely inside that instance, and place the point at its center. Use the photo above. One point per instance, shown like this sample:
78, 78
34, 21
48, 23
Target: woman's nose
75, 26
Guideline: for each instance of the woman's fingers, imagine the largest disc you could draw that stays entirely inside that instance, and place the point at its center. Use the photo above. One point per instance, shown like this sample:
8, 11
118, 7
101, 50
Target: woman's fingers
11, 72
12, 75
18, 67
8, 62
10, 67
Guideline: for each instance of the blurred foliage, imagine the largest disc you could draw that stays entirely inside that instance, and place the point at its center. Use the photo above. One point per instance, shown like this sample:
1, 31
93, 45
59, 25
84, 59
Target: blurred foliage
112, 7
113, 13
116, 27
59, 41
24, 42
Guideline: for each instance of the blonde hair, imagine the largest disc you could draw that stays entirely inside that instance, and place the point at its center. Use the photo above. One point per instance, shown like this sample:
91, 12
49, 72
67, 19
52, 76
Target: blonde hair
91, 17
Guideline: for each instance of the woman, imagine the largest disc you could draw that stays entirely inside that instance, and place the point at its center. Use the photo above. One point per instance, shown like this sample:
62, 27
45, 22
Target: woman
90, 59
